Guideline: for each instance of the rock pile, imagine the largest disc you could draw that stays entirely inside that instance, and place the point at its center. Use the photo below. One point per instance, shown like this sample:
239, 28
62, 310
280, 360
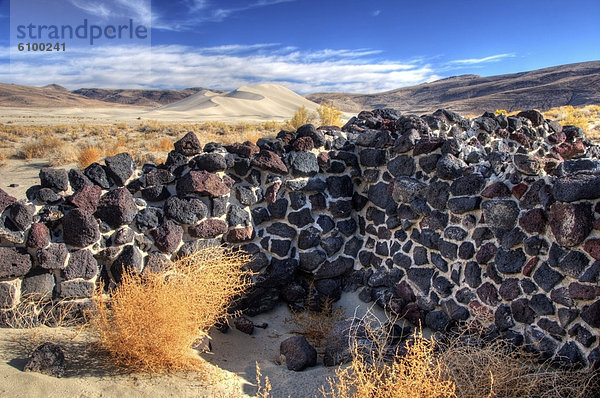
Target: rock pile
431, 217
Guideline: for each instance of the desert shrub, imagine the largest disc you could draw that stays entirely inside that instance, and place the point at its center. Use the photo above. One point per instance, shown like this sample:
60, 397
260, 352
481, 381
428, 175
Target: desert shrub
263, 385
329, 115
315, 325
584, 117
466, 364
35, 310
271, 125
151, 322
300, 118
161, 145
416, 374
40, 147
481, 366
88, 155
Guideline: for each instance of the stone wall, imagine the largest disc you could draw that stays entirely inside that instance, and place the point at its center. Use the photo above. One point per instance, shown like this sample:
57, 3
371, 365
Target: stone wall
433, 217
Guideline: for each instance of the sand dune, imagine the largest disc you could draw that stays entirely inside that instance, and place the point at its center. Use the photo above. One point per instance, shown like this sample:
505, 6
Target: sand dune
261, 102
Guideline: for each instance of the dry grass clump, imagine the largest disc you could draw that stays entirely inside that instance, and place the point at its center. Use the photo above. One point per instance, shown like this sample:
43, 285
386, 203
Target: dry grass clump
468, 364
40, 147
329, 115
161, 145
316, 325
481, 366
497, 369
586, 117
263, 386
88, 155
151, 322
300, 118
34, 311
415, 374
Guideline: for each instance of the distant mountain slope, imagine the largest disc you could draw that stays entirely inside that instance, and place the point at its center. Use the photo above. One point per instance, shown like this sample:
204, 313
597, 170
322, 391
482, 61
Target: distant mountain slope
153, 98
260, 102
573, 84
53, 95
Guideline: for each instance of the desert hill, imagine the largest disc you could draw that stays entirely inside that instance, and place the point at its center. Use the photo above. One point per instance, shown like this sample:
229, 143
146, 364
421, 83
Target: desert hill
52, 95
151, 98
573, 84
260, 102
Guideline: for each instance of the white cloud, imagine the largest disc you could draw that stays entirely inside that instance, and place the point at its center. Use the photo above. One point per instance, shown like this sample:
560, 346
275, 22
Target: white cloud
376, 13
474, 61
203, 11
137, 9
224, 67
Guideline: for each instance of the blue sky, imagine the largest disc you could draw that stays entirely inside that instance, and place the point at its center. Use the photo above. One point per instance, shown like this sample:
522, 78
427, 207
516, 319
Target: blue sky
306, 45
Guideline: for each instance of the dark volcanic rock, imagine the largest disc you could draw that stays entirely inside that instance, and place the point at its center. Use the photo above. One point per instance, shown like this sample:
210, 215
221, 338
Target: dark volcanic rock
82, 264
87, 198
185, 211
167, 237
5, 200
39, 236
533, 221
96, 173
340, 187
202, 183
239, 235
245, 150
298, 353
546, 277
510, 261
570, 223
450, 167
577, 187
53, 257
56, 179
120, 167
496, 190
47, 359
210, 162
21, 215
117, 208
38, 286
500, 213
303, 164
372, 157
208, 229
189, 145
129, 260
14, 262
270, 161
80, 229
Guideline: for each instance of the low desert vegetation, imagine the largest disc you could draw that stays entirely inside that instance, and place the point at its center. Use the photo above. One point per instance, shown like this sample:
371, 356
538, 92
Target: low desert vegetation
587, 118
145, 141
329, 115
151, 322
34, 311
88, 155
300, 118
467, 364
316, 325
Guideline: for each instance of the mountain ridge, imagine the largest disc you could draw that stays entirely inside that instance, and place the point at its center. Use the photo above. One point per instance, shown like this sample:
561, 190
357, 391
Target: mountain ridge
571, 84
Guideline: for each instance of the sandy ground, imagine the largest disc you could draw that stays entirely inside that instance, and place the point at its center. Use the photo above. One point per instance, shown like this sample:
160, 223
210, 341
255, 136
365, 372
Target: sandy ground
231, 364
16, 176
260, 103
